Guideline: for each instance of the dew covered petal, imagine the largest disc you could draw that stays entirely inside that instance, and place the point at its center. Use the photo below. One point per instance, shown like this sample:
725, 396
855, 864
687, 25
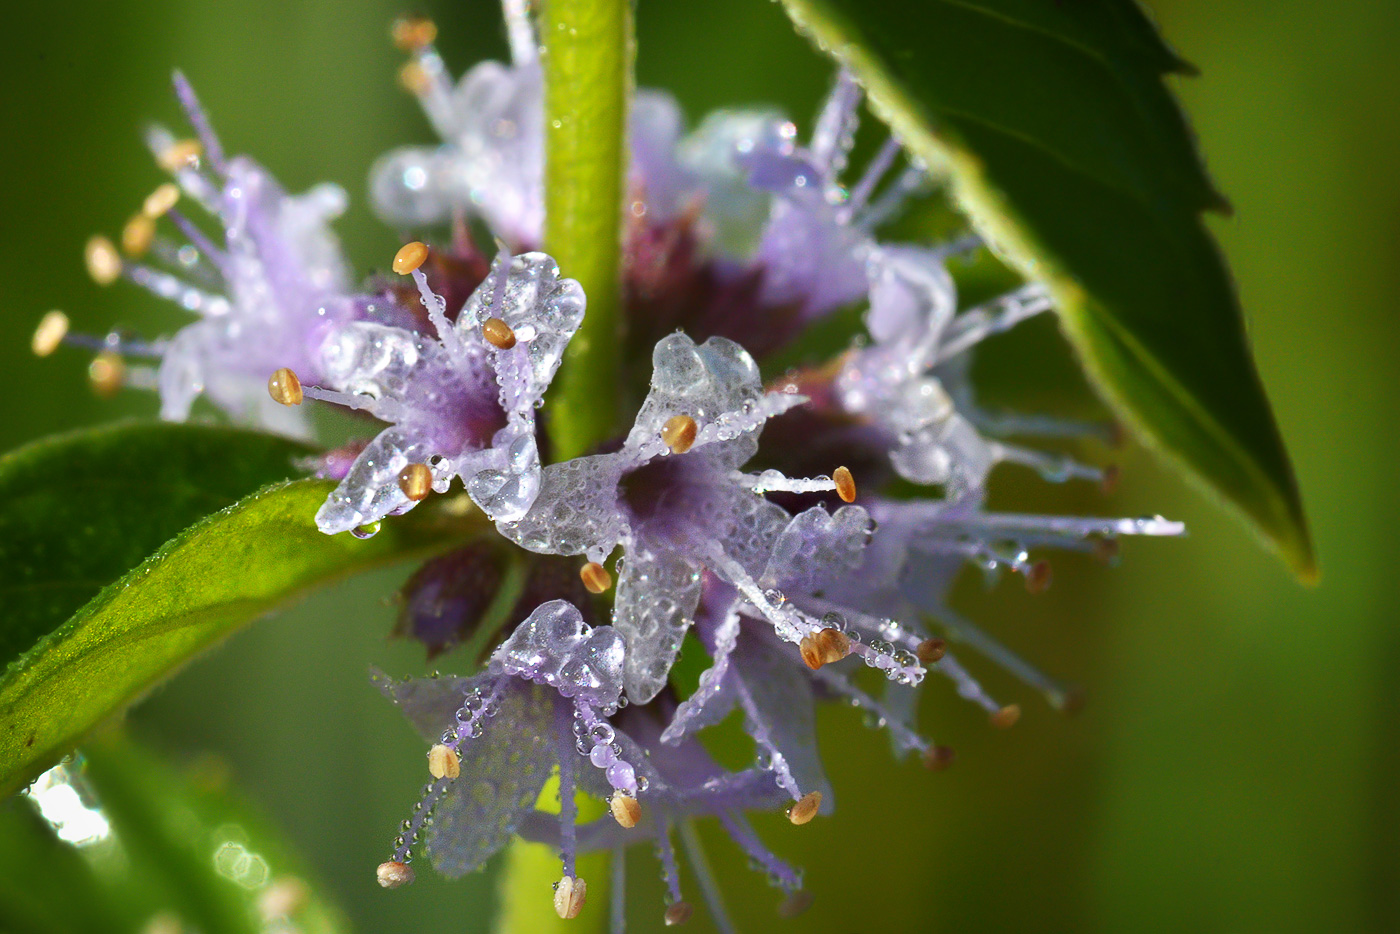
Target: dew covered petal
657, 592
502, 773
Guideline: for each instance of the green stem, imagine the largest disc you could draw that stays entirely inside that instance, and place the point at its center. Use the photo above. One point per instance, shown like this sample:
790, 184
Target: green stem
587, 57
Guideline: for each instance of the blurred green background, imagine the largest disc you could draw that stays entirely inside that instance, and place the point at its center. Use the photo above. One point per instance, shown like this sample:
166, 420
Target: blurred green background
1238, 766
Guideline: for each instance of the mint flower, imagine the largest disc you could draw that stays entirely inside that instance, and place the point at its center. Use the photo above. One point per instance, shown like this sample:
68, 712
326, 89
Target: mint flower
267, 296
896, 383
887, 400
506, 728
674, 498
732, 511
543, 702
458, 405
491, 162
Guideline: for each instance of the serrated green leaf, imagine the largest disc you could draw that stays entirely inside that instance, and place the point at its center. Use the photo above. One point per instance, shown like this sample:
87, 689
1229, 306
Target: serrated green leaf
222, 572
1066, 150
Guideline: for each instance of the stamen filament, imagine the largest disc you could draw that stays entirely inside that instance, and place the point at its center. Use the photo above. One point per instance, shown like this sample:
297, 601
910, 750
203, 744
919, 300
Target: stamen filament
213, 150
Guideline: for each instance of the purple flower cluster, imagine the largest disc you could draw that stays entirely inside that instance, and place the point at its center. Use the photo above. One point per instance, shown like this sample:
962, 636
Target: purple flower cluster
720, 527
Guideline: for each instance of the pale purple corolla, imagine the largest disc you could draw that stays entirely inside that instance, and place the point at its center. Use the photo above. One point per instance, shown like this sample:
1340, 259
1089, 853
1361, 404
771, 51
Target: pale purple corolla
550, 702
490, 163
268, 287
678, 509
458, 404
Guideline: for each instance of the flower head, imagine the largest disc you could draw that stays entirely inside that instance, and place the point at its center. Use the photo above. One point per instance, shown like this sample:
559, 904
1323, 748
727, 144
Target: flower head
267, 297
819, 235
543, 702
491, 161
461, 404
675, 499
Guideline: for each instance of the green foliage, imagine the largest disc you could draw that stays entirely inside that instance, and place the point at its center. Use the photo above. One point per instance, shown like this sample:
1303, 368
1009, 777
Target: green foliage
182, 848
217, 575
82, 509
1066, 150
209, 857
47, 886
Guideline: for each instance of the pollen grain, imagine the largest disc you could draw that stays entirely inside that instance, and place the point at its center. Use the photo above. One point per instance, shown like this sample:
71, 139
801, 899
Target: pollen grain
416, 481
845, 484
107, 373
679, 433
443, 762
284, 387
498, 334
103, 263
409, 257
805, 808
53, 327
625, 809
595, 577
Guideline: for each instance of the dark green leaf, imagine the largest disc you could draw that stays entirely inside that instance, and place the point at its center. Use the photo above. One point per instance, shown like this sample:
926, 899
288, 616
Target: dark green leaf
80, 510
1066, 150
219, 574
